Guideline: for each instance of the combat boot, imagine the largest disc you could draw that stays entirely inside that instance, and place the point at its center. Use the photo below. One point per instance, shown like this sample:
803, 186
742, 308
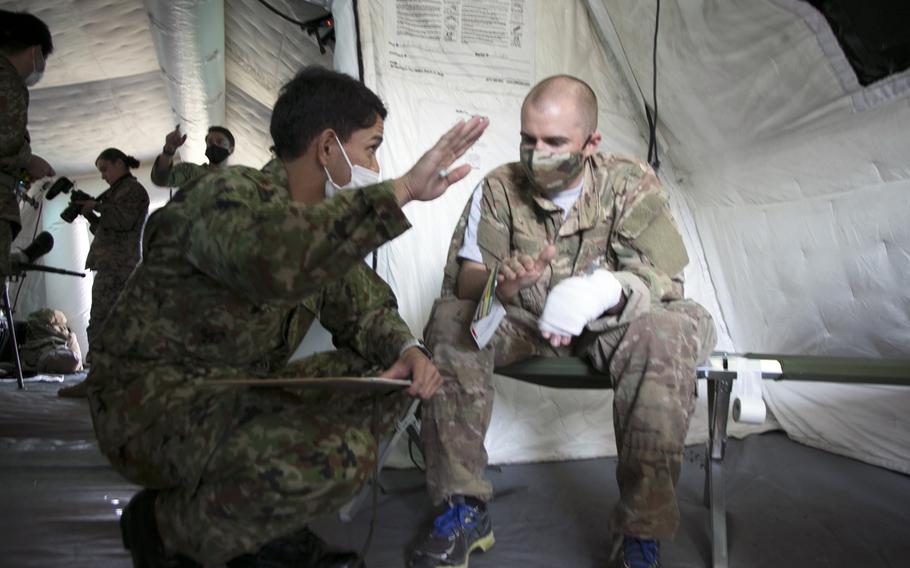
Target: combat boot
139, 531
302, 548
461, 529
78, 390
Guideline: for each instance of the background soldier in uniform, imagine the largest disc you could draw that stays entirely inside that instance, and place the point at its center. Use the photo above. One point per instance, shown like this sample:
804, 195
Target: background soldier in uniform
219, 144
236, 267
25, 43
590, 262
115, 219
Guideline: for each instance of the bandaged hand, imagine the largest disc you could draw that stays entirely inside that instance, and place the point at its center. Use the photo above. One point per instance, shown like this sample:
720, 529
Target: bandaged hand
575, 301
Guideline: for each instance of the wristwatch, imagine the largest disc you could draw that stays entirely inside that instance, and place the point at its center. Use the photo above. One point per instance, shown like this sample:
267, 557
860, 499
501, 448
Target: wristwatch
414, 342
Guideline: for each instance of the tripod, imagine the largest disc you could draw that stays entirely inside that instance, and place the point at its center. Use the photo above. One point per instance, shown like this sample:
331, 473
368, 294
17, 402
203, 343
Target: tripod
8, 309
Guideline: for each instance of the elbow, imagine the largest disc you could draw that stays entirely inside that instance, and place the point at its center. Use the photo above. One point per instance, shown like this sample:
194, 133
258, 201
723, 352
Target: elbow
159, 175
461, 290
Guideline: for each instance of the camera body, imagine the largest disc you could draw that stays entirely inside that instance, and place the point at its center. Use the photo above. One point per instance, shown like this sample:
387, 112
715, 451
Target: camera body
65, 185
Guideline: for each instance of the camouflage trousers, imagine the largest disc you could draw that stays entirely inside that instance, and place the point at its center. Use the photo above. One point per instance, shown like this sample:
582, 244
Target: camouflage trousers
106, 289
237, 467
650, 362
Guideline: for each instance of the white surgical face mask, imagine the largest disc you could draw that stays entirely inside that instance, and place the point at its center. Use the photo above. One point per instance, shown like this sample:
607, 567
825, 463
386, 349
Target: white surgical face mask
360, 176
37, 73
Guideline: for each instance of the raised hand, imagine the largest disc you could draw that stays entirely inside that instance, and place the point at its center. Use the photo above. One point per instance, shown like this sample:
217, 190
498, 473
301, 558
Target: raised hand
430, 176
174, 140
521, 271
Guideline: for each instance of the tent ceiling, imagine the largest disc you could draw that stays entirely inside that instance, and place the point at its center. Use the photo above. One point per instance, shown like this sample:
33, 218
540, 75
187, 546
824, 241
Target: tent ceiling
103, 86
873, 34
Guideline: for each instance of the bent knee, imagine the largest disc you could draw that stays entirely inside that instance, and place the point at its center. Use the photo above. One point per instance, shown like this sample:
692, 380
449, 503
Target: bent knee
450, 322
685, 330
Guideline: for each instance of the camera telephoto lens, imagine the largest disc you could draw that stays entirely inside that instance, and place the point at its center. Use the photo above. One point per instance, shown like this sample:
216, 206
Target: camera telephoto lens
71, 212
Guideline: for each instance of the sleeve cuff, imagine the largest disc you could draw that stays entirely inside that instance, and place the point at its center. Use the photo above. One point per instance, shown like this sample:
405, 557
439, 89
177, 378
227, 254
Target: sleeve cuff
418, 344
381, 198
638, 303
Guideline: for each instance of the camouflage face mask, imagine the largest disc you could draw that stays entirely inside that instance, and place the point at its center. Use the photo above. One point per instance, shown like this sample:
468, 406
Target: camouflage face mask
552, 173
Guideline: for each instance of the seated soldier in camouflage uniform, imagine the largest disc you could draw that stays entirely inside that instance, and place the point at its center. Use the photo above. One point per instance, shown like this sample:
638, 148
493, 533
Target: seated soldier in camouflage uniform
590, 265
237, 266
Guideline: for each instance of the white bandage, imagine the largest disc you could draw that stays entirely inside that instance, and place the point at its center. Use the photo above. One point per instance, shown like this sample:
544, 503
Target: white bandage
578, 300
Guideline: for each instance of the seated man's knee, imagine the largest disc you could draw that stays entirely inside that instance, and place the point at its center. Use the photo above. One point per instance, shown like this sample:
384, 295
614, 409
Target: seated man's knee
450, 322
705, 333
672, 333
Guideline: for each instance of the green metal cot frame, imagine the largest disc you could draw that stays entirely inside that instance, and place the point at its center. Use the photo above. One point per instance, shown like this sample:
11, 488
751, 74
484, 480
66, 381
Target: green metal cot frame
576, 373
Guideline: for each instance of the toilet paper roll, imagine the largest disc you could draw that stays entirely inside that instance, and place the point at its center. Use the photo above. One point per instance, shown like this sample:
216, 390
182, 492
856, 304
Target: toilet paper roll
749, 410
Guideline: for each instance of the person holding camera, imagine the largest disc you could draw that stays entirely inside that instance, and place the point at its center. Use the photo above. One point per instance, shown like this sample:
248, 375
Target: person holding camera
25, 43
219, 145
115, 218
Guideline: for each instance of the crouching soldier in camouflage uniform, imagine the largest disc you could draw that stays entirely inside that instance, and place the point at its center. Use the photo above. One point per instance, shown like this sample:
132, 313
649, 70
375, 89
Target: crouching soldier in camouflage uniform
236, 267
590, 261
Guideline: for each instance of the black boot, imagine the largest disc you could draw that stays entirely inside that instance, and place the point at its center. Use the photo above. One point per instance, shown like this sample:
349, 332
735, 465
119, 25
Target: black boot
140, 535
302, 548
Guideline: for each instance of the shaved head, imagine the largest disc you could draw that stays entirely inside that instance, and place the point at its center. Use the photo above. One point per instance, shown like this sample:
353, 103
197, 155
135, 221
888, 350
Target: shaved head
569, 92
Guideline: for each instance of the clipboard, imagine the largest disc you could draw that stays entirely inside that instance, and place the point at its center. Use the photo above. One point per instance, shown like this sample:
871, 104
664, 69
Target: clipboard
334, 383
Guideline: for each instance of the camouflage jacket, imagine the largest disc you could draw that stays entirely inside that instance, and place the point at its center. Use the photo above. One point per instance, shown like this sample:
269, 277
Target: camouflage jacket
234, 272
179, 173
15, 150
621, 222
118, 230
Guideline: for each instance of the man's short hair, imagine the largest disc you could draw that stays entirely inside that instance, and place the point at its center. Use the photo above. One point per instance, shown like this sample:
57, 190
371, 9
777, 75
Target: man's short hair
318, 99
561, 85
21, 30
225, 131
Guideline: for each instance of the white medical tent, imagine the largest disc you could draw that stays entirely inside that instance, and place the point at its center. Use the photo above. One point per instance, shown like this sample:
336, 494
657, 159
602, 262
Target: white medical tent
789, 171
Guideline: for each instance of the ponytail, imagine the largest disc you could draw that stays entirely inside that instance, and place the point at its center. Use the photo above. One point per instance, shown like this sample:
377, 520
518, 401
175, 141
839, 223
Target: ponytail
113, 154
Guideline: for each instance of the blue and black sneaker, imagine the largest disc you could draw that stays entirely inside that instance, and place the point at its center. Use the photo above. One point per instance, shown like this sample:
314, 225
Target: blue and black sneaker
464, 527
637, 553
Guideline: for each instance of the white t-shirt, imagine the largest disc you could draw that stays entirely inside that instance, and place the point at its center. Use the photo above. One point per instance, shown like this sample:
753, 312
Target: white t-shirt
470, 251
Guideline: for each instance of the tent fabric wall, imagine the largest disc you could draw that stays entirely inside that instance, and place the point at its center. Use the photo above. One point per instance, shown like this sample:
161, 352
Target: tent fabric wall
798, 179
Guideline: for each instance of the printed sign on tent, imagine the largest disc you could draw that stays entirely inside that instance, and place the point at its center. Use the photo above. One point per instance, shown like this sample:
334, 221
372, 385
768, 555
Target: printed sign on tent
469, 44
